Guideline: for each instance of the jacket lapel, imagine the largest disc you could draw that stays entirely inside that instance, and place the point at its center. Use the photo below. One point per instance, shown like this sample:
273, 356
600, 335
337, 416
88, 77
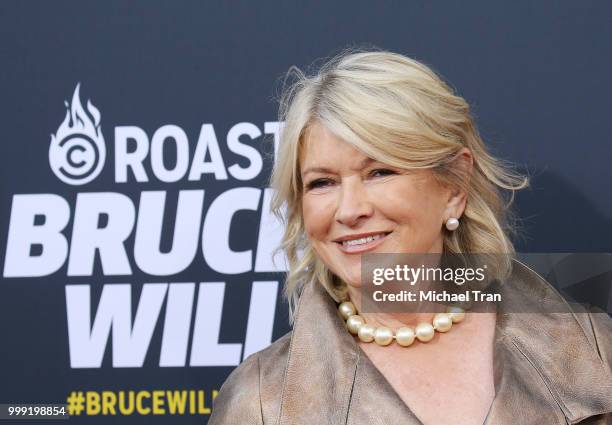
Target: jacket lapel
321, 365
374, 401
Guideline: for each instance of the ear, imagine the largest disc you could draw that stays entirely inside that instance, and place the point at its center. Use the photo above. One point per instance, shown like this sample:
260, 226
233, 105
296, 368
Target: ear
457, 197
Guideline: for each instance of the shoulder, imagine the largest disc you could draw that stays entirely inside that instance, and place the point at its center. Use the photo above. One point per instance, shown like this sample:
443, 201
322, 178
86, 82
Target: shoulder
251, 393
568, 345
595, 324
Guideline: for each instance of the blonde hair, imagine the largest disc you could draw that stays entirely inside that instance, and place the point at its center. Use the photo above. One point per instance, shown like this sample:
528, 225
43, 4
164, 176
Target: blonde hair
397, 111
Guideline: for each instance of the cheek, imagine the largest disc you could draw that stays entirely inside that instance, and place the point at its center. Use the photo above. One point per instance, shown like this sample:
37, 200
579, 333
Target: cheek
418, 210
317, 215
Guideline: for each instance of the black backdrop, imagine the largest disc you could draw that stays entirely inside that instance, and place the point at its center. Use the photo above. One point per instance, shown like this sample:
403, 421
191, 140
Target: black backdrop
536, 73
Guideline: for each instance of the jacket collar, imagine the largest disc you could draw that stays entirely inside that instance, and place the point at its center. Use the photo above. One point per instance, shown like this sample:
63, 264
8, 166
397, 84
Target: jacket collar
542, 359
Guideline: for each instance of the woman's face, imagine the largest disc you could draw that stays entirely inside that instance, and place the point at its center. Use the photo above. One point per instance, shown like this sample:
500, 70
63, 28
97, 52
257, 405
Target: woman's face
352, 204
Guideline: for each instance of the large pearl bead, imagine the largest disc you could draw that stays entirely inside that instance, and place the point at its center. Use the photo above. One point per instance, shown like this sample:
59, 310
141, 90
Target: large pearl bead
442, 322
366, 333
347, 309
424, 332
457, 314
383, 336
404, 336
354, 323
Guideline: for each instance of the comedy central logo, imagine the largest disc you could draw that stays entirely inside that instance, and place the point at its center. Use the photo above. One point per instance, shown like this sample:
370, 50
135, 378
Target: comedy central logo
77, 151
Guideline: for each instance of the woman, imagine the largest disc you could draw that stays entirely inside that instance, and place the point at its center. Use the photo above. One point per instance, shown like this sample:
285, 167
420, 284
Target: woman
379, 156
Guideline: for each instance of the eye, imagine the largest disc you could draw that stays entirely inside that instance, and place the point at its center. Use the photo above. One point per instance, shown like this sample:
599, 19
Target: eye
382, 172
318, 183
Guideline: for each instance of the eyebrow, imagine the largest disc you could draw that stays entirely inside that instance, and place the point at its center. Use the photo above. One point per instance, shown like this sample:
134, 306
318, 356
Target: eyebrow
362, 164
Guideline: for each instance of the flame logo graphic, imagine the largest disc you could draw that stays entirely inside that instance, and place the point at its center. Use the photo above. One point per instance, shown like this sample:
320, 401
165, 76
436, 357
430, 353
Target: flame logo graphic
77, 151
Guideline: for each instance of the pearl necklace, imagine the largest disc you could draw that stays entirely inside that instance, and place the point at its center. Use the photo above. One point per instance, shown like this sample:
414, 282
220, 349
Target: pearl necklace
404, 336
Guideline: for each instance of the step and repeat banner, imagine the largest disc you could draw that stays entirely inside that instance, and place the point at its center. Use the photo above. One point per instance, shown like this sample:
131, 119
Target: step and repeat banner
151, 276
137, 247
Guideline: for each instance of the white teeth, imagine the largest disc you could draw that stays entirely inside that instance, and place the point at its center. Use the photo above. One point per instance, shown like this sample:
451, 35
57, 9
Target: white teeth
362, 240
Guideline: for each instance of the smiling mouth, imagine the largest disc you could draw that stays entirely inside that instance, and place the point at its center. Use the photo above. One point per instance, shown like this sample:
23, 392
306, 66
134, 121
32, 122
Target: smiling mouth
362, 244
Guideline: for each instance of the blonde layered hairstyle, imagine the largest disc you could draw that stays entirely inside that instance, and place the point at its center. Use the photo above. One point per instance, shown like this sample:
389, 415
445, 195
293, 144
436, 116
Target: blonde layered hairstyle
397, 111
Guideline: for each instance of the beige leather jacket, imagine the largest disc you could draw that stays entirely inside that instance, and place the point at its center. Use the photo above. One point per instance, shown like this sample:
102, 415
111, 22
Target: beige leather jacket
550, 368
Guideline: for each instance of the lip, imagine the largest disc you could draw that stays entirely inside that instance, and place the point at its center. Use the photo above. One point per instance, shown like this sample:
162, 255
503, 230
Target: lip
358, 249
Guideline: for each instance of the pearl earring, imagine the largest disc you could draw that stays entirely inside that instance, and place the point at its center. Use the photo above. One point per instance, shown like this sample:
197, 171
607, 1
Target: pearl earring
452, 224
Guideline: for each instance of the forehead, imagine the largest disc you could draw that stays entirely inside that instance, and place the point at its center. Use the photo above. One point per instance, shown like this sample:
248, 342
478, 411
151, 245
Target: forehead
321, 147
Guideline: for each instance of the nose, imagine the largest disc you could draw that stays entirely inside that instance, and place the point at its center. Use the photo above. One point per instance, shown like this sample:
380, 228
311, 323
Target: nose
353, 204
